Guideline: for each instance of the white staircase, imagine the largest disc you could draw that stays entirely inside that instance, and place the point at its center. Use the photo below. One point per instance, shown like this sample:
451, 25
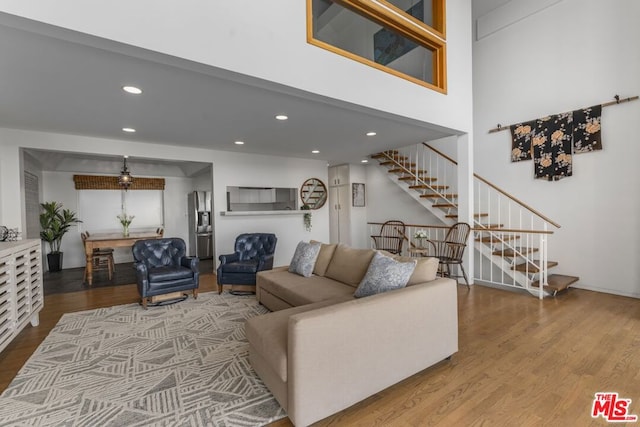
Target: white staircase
510, 237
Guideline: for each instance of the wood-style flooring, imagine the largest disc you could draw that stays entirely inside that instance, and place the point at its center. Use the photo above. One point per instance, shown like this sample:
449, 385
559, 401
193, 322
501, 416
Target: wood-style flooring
522, 362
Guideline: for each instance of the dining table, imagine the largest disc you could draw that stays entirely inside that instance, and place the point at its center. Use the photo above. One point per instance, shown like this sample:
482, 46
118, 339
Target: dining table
112, 240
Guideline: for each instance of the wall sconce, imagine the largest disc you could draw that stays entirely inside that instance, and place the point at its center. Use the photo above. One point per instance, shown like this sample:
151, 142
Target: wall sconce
125, 179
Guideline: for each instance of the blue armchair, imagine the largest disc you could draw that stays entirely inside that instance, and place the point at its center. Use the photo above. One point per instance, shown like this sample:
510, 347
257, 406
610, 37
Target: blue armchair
253, 252
162, 268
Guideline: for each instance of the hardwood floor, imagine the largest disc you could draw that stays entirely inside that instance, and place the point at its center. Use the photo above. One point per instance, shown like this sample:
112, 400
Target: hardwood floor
521, 361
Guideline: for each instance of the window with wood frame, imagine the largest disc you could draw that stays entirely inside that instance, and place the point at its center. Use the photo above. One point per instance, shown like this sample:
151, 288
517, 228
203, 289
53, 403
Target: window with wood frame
406, 38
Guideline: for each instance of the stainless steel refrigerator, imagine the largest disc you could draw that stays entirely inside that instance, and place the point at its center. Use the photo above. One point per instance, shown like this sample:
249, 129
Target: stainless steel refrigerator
200, 228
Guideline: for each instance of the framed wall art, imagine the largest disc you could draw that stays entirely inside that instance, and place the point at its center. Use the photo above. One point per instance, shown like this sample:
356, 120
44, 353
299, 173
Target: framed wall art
357, 194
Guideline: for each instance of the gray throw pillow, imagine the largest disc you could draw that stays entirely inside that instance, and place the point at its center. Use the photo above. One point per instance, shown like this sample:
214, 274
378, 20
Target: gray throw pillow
304, 258
384, 274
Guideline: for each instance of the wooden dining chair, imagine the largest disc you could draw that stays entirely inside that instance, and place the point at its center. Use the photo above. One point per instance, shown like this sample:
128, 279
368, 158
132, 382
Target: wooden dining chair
101, 258
391, 237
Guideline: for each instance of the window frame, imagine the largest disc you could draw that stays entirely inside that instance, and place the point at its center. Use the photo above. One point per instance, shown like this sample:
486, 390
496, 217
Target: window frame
391, 17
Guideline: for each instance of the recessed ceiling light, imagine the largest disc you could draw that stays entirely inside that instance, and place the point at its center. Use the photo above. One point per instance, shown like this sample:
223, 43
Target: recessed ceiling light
239, 142
315, 151
371, 134
281, 117
132, 89
130, 130
364, 161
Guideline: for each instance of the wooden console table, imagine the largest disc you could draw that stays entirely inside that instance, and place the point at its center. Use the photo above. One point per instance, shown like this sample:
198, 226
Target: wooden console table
112, 240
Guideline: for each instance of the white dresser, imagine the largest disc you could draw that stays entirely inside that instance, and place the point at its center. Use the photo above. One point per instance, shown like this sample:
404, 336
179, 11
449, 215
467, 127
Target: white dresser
21, 297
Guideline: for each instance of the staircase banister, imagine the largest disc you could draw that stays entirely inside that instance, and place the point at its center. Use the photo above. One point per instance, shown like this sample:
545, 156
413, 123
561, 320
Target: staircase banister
440, 153
512, 230
415, 225
521, 203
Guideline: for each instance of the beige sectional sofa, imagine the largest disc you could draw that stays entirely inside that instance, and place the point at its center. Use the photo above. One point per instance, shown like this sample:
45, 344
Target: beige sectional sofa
321, 350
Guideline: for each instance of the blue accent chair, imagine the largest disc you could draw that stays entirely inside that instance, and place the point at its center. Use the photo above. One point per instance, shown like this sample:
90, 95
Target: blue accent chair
162, 268
253, 252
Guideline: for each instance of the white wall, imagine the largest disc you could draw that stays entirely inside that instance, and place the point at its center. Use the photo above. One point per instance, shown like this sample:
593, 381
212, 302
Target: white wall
268, 40
229, 169
573, 54
233, 169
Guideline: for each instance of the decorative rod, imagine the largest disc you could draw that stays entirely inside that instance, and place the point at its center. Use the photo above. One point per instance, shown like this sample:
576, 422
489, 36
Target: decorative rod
617, 101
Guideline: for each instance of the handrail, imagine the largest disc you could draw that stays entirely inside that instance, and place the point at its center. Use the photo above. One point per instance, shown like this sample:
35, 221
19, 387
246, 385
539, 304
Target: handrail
414, 225
521, 203
440, 153
495, 230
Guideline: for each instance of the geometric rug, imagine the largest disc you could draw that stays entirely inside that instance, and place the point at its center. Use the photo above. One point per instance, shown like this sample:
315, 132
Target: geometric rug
184, 364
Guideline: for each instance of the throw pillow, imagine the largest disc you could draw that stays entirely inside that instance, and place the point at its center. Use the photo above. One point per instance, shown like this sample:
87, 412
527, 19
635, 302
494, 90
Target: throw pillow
384, 274
304, 258
426, 269
324, 257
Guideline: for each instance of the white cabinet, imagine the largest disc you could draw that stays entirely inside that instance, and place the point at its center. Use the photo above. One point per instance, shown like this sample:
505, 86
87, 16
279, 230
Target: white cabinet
267, 195
339, 205
252, 195
339, 214
21, 296
338, 175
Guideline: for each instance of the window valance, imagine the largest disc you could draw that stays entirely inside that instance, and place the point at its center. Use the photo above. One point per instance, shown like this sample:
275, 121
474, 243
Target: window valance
100, 182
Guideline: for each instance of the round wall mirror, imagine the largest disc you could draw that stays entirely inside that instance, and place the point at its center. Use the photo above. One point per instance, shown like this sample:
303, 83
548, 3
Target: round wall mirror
313, 193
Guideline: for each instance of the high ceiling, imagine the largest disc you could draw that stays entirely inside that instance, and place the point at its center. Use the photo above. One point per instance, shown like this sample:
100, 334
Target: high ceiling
56, 80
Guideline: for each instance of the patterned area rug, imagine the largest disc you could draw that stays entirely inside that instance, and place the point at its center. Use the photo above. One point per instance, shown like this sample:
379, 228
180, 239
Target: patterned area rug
184, 364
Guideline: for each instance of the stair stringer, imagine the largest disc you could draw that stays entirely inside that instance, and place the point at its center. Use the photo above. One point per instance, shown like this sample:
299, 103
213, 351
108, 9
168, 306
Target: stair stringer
438, 213
504, 265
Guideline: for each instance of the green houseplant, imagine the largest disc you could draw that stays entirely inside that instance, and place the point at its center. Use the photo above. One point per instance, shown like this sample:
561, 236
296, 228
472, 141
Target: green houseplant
306, 217
54, 224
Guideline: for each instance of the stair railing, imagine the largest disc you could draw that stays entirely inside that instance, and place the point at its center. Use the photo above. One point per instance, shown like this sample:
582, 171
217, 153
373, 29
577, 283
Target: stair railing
503, 223
506, 260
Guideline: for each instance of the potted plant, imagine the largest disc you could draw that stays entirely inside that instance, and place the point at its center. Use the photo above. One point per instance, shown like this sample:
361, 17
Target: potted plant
306, 217
54, 223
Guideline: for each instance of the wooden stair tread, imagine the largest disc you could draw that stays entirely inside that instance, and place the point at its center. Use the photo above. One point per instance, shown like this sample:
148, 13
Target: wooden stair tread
394, 157
524, 267
488, 239
557, 282
393, 162
480, 215
511, 252
492, 225
419, 186
413, 178
433, 195
411, 171
385, 154
444, 205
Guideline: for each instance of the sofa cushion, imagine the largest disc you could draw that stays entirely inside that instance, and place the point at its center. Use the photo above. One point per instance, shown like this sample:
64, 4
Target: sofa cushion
268, 335
425, 271
304, 258
324, 258
349, 265
247, 266
169, 273
384, 274
296, 290
426, 268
